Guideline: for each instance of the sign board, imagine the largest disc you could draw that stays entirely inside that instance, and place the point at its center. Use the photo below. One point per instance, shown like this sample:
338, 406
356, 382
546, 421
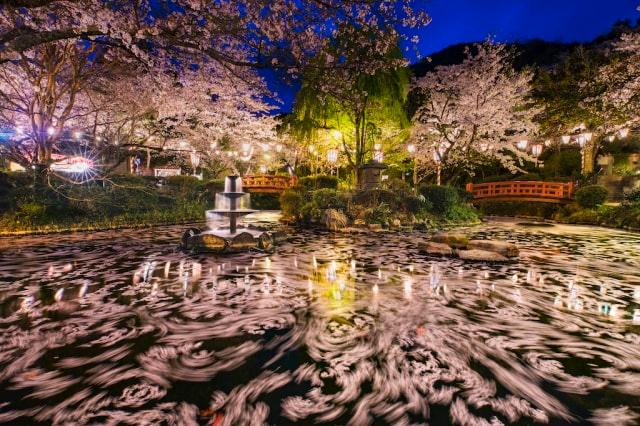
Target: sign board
166, 172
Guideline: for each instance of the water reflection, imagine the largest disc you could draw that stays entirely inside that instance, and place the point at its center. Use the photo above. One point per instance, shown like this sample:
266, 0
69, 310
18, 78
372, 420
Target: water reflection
110, 328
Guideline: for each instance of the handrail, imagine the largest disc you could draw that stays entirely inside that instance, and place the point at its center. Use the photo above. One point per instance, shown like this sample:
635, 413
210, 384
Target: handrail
268, 183
529, 190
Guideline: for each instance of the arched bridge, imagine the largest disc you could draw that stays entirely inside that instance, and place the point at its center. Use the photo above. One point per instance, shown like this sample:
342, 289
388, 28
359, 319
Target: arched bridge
268, 183
517, 190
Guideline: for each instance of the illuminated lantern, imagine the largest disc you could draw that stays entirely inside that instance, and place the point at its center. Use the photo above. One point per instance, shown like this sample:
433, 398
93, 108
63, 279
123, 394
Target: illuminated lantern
411, 148
565, 139
536, 150
332, 155
522, 144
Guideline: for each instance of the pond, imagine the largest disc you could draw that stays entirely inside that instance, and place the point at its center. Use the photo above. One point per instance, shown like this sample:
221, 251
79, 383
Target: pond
121, 328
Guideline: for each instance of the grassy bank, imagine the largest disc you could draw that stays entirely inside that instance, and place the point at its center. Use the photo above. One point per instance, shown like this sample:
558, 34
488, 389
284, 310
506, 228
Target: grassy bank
121, 202
396, 205
588, 209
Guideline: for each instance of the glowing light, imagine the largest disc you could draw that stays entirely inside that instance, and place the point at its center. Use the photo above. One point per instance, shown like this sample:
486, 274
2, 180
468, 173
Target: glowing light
263, 169
378, 156
522, 144
565, 139
77, 135
73, 165
623, 133
278, 148
336, 134
536, 150
51, 131
411, 148
332, 155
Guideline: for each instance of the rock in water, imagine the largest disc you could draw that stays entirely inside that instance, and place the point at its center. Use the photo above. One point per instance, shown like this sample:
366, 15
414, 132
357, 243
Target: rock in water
451, 239
265, 241
482, 256
188, 241
210, 242
505, 248
242, 241
334, 220
436, 249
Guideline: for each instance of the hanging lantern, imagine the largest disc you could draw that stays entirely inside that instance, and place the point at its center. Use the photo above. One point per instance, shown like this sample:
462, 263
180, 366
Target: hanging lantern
436, 157
378, 156
548, 142
411, 148
623, 133
587, 136
582, 140
536, 150
332, 155
195, 159
565, 139
522, 144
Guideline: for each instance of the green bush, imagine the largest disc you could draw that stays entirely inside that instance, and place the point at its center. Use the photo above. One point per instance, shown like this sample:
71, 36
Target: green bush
32, 210
291, 202
265, 201
318, 182
378, 214
591, 196
328, 199
461, 213
632, 196
441, 197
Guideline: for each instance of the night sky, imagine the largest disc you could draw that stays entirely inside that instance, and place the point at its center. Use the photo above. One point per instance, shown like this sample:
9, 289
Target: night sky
456, 21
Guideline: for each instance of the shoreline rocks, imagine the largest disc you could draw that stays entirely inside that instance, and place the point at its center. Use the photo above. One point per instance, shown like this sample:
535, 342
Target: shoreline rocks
458, 245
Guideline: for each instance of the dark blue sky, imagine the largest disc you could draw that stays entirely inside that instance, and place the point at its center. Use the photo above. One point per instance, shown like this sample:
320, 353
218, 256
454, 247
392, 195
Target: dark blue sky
456, 21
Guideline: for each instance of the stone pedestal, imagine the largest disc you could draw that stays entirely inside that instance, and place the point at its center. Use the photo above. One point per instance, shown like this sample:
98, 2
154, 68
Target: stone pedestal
370, 175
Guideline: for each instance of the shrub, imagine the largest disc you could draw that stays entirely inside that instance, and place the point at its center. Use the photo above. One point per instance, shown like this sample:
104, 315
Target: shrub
318, 182
632, 196
291, 203
591, 196
378, 214
328, 199
442, 198
32, 210
264, 201
461, 213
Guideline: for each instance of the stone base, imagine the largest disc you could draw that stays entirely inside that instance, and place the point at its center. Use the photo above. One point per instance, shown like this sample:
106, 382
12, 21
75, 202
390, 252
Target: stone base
209, 242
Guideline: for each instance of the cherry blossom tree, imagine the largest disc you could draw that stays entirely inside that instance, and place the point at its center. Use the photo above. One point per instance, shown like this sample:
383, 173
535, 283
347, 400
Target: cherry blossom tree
472, 111
257, 33
619, 103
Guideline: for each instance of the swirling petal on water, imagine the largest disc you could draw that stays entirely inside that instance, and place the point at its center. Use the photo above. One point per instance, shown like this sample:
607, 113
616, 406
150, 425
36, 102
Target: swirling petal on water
120, 328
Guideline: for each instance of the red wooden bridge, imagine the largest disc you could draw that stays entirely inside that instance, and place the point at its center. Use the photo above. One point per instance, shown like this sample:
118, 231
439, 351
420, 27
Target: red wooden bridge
517, 190
268, 183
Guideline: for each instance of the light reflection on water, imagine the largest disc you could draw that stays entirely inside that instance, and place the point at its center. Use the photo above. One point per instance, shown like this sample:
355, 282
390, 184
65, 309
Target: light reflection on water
119, 327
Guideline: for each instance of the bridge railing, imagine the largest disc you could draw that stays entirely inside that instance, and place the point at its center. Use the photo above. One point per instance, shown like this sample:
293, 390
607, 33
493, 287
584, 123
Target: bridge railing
268, 183
522, 190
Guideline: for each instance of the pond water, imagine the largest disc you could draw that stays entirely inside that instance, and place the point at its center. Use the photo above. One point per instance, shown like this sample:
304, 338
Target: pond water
121, 328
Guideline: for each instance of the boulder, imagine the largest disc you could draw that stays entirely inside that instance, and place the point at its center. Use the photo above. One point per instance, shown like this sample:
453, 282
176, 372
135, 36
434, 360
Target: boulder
242, 241
451, 239
334, 220
436, 249
211, 242
265, 241
505, 248
482, 256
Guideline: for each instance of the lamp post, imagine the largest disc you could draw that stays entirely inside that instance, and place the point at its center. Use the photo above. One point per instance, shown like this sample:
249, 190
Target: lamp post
536, 150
